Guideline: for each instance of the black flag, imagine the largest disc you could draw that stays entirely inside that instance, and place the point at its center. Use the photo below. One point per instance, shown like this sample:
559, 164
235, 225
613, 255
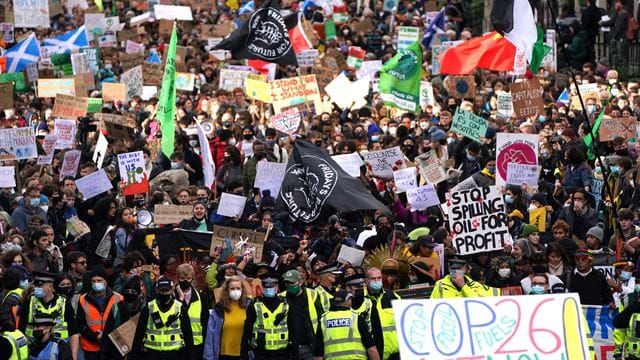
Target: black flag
263, 37
315, 187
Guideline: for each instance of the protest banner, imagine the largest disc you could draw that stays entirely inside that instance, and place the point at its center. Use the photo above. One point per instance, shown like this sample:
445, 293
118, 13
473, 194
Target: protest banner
231, 79
93, 59
324, 76
407, 35
405, 179
347, 94
8, 32
101, 150
478, 220
533, 327
172, 12
32, 72
517, 149
518, 174
293, 91
48, 145
287, 122
257, 89
131, 166
6, 95
132, 79
231, 205
18, 144
460, 87
171, 214
79, 63
238, 241
469, 124
96, 24
610, 128
383, 162
122, 337
505, 105
185, 81
350, 255
350, 163
31, 14
7, 177
306, 58
93, 184
49, 88
69, 107
527, 98
600, 325
269, 176
426, 94
70, 164
369, 68
133, 47
114, 92
430, 167
65, 130
152, 73
114, 119
538, 217
423, 197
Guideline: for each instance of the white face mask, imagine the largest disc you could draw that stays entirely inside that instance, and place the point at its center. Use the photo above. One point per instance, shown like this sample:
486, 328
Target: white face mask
44, 207
504, 273
232, 141
393, 131
235, 294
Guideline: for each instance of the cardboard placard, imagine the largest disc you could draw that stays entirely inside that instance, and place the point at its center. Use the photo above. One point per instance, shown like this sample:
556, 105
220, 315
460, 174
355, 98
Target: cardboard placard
171, 214
382, 162
85, 82
292, 91
122, 337
430, 167
69, 107
185, 81
132, 79
460, 87
243, 240
324, 76
232, 78
610, 128
257, 89
6, 95
114, 119
287, 122
114, 92
152, 73
129, 61
527, 98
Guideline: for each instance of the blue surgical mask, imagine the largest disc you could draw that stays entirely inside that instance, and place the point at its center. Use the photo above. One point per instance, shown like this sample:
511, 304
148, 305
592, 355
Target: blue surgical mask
24, 284
98, 287
544, 154
34, 203
375, 285
450, 140
108, 66
375, 138
38, 292
537, 290
541, 119
508, 199
175, 165
269, 292
598, 170
491, 169
616, 170
591, 109
471, 157
625, 275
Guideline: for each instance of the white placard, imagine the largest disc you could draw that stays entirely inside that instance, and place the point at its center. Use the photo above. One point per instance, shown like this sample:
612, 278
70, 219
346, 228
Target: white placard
369, 67
18, 144
426, 94
231, 205
93, 184
405, 179
96, 24
172, 12
407, 35
351, 255
79, 63
306, 58
48, 145
31, 14
269, 176
132, 78
70, 164
505, 105
348, 94
350, 163
140, 19
66, 132
384, 161
100, 150
133, 47
7, 176
148, 92
423, 197
518, 174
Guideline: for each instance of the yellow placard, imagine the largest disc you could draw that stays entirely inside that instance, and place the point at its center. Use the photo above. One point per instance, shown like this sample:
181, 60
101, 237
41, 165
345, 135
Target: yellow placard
258, 90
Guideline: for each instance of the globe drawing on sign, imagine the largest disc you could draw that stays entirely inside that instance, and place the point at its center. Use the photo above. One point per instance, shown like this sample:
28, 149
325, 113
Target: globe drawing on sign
406, 65
462, 87
517, 153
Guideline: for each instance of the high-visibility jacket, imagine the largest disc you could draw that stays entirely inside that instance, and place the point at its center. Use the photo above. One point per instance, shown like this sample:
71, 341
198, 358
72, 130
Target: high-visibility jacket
444, 288
275, 336
312, 297
365, 311
388, 326
164, 332
17, 293
325, 298
19, 344
633, 336
341, 336
56, 312
195, 313
95, 320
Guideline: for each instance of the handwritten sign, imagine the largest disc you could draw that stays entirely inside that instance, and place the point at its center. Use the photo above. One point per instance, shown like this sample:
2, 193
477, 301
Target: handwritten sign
505, 105
133, 47
31, 14
231, 205
93, 184
114, 119
518, 174
152, 73
324, 76
350, 163
287, 122
623, 127
382, 162
423, 197
49, 88
6, 95
185, 81
172, 12
131, 166
243, 241
7, 176
469, 124
114, 92
70, 164
69, 107
405, 179
527, 98
269, 176
18, 144
231, 78
478, 220
133, 81
65, 130
48, 145
533, 327
79, 63
407, 35
257, 89
171, 214
514, 148
129, 61
430, 167
292, 91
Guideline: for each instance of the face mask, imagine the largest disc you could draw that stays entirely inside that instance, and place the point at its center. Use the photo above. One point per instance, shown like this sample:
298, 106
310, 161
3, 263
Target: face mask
537, 290
591, 109
450, 140
270, 143
615, 92
375, 285
616, 170
453, 273
375, 138
532, 207
598, 170
38, 292
164, 298
24, 284
247, 136
203, 200
45, 208
108, 66
508, 199
637, 288
38, 336
625, 275
491, 169
544, 154
130, 297
424, 125
293, 289
318, 142
34, 203
184, 285
622, 152
66, 291
470, 157
269, 292
393, 131
504, 273
232, 141
612, 81
235, 294
98, 287
385, 128
559, 132
541, 119
413, 279
193, 143
175, 165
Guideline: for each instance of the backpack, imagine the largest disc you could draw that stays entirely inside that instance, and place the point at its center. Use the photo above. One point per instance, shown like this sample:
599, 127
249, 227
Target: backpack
632, 28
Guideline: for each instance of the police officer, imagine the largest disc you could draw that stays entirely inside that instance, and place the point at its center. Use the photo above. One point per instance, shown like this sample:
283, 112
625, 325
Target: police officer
196, 303
383, 322
361, 304
13, 343
629, 320
164, 330
459, 284
342, 334
265, 329
47, 345
326, 286
45, 303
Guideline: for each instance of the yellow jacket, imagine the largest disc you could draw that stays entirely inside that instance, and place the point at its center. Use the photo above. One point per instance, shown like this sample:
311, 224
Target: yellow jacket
444, 288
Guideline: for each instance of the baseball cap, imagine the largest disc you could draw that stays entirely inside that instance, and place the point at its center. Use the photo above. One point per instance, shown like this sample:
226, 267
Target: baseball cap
292, 276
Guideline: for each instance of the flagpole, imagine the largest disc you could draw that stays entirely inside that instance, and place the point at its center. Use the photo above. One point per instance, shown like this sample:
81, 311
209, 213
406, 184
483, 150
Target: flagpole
590, 129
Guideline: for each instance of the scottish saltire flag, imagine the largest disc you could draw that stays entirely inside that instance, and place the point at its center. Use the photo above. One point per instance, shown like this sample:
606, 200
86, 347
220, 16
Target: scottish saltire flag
436, 27
564, 97
246, 8
154, 58
22, 54
72, 40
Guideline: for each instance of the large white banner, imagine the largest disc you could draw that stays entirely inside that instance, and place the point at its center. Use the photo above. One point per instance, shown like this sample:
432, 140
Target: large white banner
31, 13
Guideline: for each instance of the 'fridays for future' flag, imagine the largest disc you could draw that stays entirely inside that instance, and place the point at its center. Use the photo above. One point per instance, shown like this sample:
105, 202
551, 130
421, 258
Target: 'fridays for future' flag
167, 100
263, 37
400, 79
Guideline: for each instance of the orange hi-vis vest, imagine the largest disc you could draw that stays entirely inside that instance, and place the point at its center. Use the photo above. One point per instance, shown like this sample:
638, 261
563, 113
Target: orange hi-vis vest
95, 320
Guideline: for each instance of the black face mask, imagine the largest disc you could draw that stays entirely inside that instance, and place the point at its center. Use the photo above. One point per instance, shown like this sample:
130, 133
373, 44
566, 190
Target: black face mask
131, 297
164, 298
318, 142
38, 335
66, 291
185, 285
247, 136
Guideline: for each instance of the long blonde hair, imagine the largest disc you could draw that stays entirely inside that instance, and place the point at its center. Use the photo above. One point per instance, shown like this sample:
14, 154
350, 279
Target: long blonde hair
225, 300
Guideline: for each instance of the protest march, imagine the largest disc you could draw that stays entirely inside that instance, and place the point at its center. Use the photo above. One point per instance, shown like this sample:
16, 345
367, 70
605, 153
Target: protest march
319, 179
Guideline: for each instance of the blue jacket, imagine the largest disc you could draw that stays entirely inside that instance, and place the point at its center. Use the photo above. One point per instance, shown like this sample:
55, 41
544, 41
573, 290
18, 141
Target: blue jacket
214, 330
21, 216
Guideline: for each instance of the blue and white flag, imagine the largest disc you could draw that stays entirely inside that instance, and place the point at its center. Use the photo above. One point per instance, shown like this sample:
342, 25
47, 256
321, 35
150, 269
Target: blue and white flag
246, 8
436, 27
72, 40
22, 54
154, 58
564, 97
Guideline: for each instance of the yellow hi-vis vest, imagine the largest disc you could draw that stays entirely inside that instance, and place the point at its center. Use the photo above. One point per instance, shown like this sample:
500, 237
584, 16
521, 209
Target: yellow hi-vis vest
365, 311
195, 313
161, 336
633, 337
57, 313
325, 297
19, 344
276, 337
341, 336
312, 296
387, 325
